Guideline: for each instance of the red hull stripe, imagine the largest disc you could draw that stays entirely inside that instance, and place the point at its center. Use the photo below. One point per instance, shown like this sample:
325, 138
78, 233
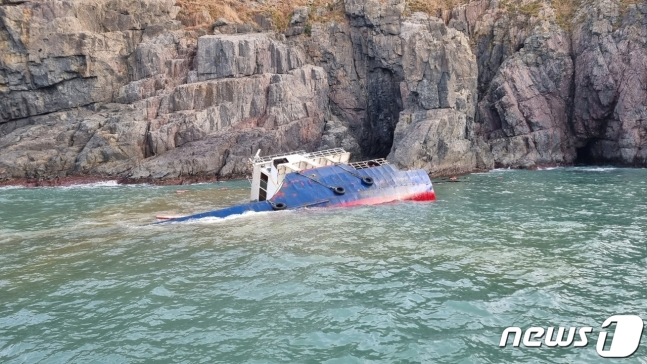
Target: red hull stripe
421, 196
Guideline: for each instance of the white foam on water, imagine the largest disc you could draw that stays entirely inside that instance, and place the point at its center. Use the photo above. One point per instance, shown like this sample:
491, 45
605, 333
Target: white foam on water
101, 184
584, 212
495, 170
209, 183
598, 169
216, 220
10, 187
212, 220
95, 184
113, 183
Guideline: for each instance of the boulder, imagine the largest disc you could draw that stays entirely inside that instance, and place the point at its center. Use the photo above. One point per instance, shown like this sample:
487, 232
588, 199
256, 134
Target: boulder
435, 140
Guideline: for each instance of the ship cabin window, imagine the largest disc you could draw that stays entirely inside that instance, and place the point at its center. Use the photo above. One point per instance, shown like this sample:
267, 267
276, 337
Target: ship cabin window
262, 191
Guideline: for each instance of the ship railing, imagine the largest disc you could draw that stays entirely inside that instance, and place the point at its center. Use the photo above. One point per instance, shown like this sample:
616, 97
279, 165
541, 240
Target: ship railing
304, 154
268, 158
325, 153
369, 163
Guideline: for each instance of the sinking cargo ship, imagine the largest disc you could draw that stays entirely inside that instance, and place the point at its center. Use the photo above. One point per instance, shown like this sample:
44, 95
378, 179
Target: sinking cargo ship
324, 179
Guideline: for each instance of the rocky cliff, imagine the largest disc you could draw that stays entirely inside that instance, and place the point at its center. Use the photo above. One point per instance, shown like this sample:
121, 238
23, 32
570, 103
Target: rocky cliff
609, 116
124, 89
120, 89
568, 94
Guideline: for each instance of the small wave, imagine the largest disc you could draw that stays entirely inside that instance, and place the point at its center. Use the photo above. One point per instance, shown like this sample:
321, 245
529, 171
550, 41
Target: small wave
494, 171
114, 183
10, 187
208, 183
597, 169
212, 220
162, 291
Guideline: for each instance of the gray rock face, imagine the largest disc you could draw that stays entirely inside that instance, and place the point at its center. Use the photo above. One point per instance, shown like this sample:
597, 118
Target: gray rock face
71, 142
525, 111
545, 102
290, 108
610, 115
222, 56
336, 135
497, 35
397, 68
220, 22
233, 119
300, 15
64, 54
436, 141
438, 65
548, 103
331, 47
151, 99
440, 75
298, 22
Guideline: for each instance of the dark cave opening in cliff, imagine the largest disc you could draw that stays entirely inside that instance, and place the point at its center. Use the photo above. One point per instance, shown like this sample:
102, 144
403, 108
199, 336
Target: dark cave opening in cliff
384, 107
584, 155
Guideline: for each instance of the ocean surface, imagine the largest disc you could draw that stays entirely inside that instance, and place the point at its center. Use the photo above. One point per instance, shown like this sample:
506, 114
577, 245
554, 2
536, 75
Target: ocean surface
84, 280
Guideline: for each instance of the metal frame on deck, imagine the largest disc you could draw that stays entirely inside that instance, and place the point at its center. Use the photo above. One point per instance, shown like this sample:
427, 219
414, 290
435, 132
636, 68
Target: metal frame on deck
325, 153
368, 163
268, 158
312, 155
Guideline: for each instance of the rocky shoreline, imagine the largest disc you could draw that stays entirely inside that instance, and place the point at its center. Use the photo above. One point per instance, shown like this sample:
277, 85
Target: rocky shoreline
76, 180
56, 182
132, 91
183, 181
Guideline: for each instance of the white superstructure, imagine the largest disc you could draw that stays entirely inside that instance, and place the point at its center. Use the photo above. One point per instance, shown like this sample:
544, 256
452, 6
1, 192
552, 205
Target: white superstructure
270, 171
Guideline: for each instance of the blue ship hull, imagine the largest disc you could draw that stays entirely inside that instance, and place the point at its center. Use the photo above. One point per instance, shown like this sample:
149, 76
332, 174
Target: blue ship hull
320, 187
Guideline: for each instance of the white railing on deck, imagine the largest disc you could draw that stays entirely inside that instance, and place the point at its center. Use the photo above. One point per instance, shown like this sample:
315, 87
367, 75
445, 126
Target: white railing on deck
268, 158
325, 153
369, 163
312, 155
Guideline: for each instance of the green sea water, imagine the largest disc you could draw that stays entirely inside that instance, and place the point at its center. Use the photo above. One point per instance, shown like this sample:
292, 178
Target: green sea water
82, 281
